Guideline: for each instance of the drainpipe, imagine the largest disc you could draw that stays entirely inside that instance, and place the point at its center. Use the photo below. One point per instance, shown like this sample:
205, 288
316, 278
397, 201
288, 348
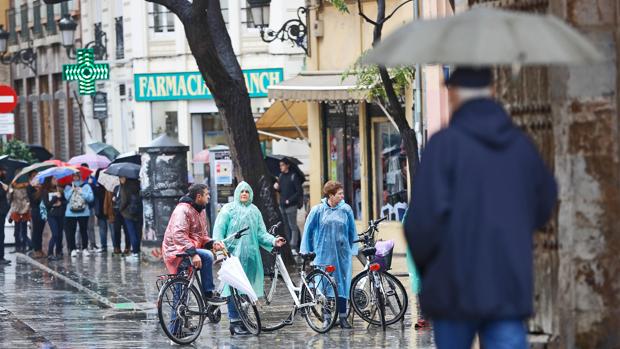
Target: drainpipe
418, 123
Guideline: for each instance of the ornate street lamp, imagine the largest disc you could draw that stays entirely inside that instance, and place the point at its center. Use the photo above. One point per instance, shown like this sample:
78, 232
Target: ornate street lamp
67, 26
294, 30
27, 56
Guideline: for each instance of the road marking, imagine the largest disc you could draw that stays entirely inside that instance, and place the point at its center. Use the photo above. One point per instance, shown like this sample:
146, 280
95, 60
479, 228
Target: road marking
90, 293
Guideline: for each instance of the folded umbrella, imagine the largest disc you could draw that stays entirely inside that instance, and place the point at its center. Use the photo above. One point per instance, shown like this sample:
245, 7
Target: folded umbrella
231, 273
133, 157
125, 169
485, 36
23, 176
94, 161
40, 152
104, 149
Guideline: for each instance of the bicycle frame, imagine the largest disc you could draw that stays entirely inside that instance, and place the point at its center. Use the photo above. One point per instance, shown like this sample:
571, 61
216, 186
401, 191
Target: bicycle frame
293, 290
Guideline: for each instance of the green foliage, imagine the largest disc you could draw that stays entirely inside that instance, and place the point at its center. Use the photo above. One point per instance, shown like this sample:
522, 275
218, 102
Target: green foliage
17, 150
368, 79
341, 5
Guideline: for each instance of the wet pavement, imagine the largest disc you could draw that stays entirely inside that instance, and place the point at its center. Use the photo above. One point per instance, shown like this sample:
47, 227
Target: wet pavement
107, 302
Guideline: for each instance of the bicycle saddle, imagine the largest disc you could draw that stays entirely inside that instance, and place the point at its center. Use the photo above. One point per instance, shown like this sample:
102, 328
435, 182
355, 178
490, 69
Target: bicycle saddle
182, 255
308, 257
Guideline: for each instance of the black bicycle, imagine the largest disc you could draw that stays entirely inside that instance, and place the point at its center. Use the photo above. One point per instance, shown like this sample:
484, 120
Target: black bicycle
180, 305
377, 296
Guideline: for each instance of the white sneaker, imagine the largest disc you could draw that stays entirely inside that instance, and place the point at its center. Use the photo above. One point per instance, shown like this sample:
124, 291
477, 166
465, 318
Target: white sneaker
85, 253
135, 257
99, 250
75, 253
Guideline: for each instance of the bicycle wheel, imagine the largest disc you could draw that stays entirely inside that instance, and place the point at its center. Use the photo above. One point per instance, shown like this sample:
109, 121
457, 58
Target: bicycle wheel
179, 308
322, 293
395, 298
248, 313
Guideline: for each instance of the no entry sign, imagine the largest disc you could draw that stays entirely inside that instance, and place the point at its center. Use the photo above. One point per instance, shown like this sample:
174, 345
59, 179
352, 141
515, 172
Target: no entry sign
8, 99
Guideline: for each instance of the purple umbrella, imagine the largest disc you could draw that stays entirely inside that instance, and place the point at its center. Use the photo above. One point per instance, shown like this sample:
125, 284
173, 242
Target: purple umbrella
94, 161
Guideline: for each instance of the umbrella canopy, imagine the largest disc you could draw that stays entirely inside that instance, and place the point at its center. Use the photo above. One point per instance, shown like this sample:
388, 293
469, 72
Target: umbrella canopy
11, 166
55, 162
23, 176
201, 157
104, 149
125, 169
231, 273
40, 152
273, 164
132, 157
485, 36
56, 172
94, 161
108, 181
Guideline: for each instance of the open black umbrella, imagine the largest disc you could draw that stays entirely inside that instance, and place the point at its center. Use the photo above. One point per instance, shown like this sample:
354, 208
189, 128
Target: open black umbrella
124, 169
273, 164
130, 157
40, 152
11, 166
104, 149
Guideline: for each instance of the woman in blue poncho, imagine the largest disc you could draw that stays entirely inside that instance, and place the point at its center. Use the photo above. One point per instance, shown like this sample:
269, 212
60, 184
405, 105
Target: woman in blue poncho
330, 232
233, 217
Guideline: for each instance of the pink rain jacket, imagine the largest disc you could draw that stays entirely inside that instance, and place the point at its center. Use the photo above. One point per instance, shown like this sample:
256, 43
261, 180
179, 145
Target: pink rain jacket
186, 229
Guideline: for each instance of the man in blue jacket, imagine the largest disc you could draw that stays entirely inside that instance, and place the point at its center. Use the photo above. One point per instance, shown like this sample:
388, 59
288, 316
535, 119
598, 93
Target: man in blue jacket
481, 191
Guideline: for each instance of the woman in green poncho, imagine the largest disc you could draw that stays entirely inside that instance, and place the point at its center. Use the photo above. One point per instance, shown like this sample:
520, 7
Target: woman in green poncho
233, 217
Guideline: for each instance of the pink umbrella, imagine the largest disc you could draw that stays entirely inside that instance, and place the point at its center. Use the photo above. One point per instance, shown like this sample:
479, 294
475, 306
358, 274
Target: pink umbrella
94, 161
202, 156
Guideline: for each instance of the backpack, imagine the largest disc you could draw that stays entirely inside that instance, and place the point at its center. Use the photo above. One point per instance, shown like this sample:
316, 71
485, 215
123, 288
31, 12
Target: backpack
43, 211
77, 203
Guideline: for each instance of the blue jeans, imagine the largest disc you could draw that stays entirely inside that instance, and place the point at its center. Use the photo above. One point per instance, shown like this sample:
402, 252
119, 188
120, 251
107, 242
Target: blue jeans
206, 271
134, 235
233, 314
103, 232
494, 334
56, 224
22, 241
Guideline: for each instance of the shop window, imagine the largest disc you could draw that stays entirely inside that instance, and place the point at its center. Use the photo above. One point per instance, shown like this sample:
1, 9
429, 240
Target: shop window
342, 151
390, 172
213, 130
164, 119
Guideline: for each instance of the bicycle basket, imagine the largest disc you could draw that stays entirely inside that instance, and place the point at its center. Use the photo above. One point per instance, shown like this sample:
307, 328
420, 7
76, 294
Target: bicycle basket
383, 256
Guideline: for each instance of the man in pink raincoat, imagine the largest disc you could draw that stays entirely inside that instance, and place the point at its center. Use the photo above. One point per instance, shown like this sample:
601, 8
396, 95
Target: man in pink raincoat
187, 233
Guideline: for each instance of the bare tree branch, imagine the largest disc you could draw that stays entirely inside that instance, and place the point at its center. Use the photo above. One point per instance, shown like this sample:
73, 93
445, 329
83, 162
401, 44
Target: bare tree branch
181, 8
363, 15
396, 9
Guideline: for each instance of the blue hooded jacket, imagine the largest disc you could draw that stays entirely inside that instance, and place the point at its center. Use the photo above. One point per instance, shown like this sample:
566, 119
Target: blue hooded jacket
480, 192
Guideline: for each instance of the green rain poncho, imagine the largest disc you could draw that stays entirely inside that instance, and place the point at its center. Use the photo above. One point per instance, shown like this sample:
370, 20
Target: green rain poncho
235, 216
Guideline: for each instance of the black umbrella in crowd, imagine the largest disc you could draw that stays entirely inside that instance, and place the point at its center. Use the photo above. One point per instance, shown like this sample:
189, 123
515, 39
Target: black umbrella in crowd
273, 164
104, 149
11, 166
130, 157
40, 152
124, 169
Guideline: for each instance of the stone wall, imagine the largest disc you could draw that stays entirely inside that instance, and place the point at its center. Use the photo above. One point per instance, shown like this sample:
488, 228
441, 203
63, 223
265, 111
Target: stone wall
585, 107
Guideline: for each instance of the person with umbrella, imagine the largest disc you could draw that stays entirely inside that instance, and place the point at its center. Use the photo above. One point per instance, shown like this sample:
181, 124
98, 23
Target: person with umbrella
233, 217
20, 214
52, 196
99, 210
481, 191
131, 209
38, 222
4, 210
78, 195
291, 198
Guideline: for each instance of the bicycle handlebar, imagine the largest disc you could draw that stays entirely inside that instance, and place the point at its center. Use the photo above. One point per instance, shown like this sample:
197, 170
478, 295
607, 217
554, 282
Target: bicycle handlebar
237, 235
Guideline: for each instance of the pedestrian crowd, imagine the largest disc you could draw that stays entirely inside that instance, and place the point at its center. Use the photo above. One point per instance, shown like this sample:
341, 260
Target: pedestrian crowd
83, 205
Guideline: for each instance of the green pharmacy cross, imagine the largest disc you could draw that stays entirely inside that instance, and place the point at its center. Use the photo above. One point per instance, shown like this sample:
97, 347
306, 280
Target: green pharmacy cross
86, 71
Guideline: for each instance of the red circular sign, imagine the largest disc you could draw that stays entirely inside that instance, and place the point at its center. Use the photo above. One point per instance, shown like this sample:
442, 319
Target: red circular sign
8, 99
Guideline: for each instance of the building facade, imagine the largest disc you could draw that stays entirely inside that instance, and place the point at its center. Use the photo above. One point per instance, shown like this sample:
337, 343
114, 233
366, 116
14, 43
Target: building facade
48, 112
155, 86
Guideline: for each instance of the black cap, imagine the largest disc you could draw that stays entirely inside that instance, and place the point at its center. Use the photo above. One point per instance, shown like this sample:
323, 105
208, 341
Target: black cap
472, 77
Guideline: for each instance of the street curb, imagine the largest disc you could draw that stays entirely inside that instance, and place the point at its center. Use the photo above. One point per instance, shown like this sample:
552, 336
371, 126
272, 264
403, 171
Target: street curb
25, 329
105, 302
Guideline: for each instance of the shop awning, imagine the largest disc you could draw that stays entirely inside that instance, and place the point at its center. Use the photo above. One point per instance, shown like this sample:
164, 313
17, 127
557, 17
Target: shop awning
317, 87
286, 119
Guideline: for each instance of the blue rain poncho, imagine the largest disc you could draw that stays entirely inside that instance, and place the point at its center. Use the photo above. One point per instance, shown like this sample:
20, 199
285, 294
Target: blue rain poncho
235, 216
330, 232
